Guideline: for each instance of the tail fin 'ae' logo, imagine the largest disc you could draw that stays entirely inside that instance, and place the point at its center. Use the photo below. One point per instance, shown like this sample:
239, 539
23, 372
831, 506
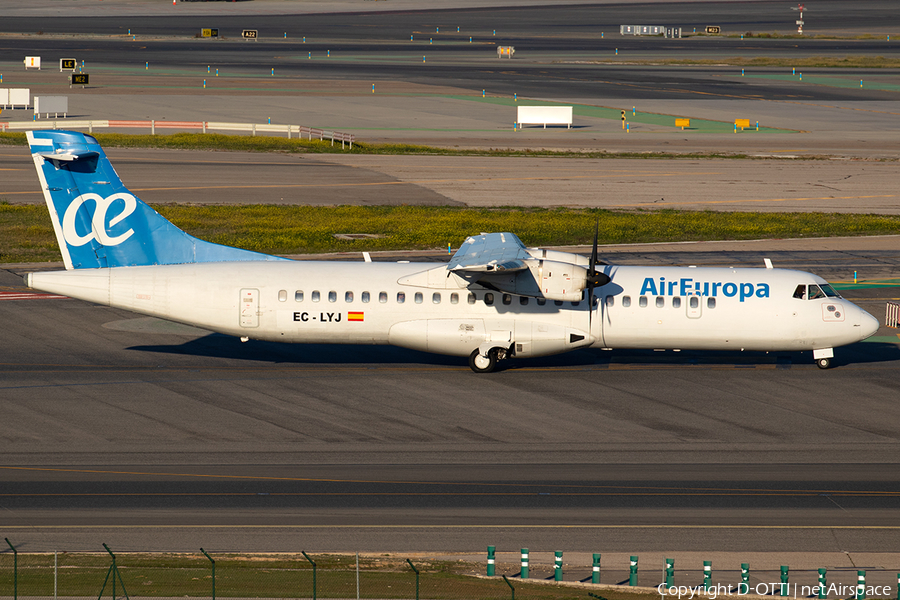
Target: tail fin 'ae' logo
99, 228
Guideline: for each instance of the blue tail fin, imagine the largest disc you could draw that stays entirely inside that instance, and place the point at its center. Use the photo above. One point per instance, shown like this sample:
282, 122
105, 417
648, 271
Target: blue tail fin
98, 222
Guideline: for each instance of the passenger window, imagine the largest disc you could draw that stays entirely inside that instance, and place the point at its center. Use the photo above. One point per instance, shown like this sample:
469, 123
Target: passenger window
298, 296
506, 298
800, 292
626, 301
676, 302
382, 297
695, 302
815, 293
401, 297
332, 296
489, 298
660, 302
642, 301
436, 298
348, 297
418, 297
471, 299
710, 303
558, 302
454, 298
541, 301
610, 300
315, 296
282, 295
523, 300
365, 297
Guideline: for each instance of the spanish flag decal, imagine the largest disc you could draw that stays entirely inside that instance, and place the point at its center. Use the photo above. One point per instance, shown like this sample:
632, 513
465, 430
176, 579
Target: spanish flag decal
355, 316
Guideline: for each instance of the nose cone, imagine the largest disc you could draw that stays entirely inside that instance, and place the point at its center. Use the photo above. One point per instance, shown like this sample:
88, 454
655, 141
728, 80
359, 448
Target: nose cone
868, 325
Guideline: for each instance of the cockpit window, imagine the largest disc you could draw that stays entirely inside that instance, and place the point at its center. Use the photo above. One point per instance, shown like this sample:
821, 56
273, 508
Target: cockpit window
800, 292
815, 292
829, 291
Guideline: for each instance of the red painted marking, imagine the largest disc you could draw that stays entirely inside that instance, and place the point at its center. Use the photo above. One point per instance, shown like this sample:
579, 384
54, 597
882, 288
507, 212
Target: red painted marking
29, 296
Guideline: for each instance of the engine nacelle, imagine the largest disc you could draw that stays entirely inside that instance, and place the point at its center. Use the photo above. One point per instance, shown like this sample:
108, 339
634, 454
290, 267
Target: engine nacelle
543, 279
561, 281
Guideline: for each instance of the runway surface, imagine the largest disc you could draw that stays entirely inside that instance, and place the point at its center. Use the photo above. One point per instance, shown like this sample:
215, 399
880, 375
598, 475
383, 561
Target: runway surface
150, 435
117, 425
439, 77
164, 176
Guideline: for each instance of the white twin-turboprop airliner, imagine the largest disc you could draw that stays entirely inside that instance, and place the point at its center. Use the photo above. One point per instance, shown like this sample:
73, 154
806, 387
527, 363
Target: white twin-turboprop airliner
496, 299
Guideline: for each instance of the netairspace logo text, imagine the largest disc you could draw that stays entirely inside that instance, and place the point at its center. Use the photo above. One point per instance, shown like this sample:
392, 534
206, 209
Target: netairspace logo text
792, 590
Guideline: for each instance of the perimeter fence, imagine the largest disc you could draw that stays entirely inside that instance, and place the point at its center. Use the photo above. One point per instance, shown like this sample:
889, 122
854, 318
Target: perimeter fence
169, 576
81, 575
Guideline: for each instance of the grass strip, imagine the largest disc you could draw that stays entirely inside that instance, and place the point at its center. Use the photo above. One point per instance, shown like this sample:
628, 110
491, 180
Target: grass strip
246, 143
825, 62
26, 233
164, 575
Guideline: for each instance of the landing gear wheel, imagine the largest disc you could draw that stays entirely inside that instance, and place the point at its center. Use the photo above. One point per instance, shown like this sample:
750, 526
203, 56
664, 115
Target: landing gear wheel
823, 363
483, 364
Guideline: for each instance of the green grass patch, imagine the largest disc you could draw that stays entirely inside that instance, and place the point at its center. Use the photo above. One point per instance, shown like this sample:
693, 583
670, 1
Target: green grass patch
26, 233
847, 62
246, 143
798, 36
270, 576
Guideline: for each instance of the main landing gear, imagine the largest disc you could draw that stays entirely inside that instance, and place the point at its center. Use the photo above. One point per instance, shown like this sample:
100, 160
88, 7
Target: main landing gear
486, 364
823, 363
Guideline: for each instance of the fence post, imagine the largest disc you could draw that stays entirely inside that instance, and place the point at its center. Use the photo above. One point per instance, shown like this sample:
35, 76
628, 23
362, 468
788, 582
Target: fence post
514, 589
785, 586
670, 572
114, 572
860, 585
523, 573
745, 577
595, 569
15, 569
413, 567
306, 556
557, 566
213, 572
491, 560
707, 574
823, 583
633, 572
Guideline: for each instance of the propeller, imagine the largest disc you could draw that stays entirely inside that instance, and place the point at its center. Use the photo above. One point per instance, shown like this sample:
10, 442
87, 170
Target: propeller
594, 278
